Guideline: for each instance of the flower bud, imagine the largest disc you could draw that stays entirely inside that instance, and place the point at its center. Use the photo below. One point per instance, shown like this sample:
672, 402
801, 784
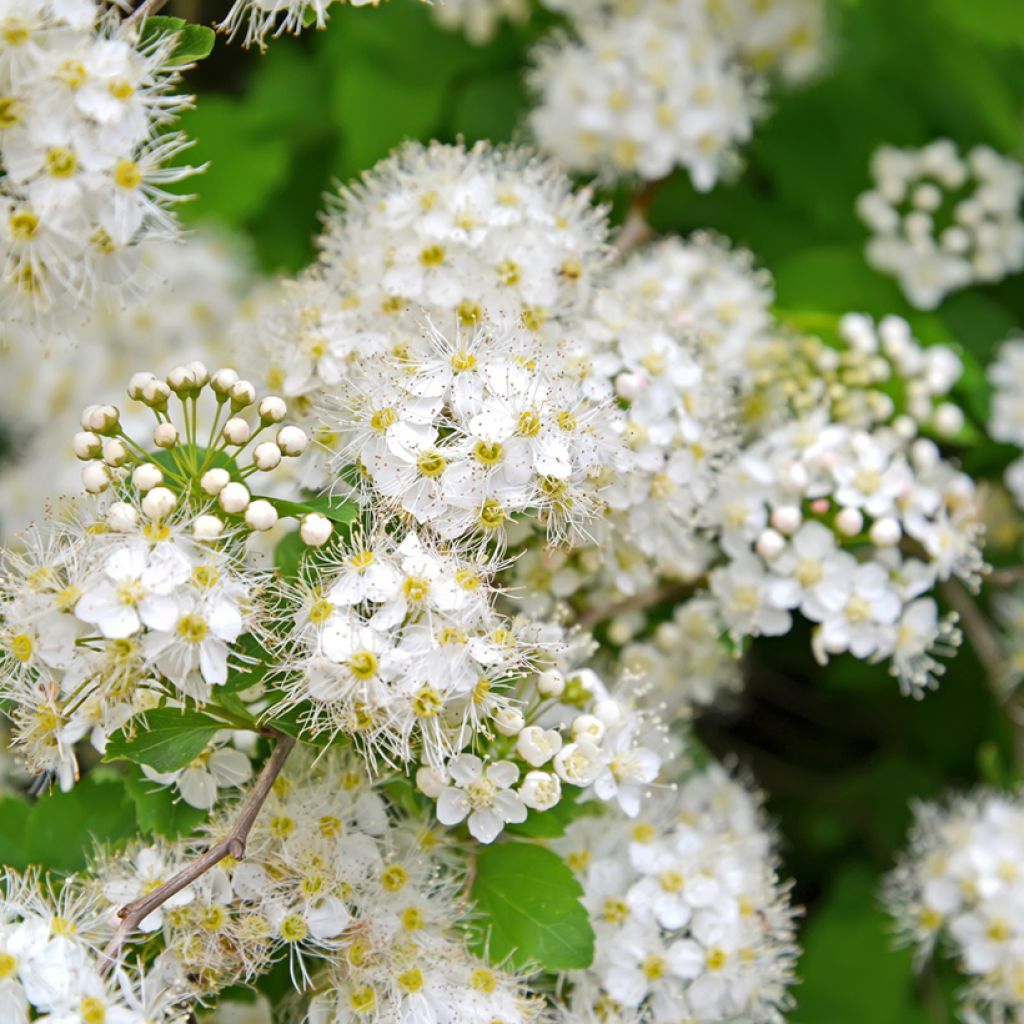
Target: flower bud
272, 409
609, 711
550, 683
155, 394
87, 445
540, 790
234, 498
536, 746
101, 419
266, 456
630, 386
587, 727
122, 517
315, 529
214, 481
181, 381
223, 381
787, 519
200, 374
137, 383
165, 435
115, 452
95, 477
949, 419
242, 394
236, 431
430, 781
770, 545
261, 515
885, 532
849, 522
292, 440
508, 721
159, 503
207, 527
147, 476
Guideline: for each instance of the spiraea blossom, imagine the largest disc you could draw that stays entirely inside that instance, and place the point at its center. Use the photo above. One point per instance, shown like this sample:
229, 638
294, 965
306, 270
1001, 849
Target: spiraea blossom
638, 93
689, 913
85, 152
941, 220
479, 19
262, 18
1006, 418
957, 892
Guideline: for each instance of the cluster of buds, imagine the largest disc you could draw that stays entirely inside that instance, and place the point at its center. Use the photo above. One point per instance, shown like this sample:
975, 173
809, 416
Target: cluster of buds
173, 466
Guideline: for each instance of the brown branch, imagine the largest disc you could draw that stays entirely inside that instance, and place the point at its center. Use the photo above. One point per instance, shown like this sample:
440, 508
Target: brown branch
983, 636
635, 229
145, 10
1006, 576
134, 913
636, 603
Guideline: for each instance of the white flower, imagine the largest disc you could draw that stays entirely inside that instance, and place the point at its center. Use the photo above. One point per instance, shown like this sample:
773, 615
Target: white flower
540, 790
482, 793
536, 746
218, 767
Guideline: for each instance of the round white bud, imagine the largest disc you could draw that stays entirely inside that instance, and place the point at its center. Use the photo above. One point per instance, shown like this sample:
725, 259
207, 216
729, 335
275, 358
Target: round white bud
266, 456
207, 527
181, 381
137, 384
949, 419
587, 726
234, 498
95, 477
147, 476
200, 374
885, 532
787, 519
905, 426
261, 515
630, 386
849, 522
223, 381
214, 481
430, 781
508, 721
101, 419
622, 629
540, 790
159, 503
272, 409
609, 711
242, 394
122, 517
315, 529
155, 394
115, 452
87, 445
236, 431
551, 683
770, 545
924, 453
165, 435
292, 440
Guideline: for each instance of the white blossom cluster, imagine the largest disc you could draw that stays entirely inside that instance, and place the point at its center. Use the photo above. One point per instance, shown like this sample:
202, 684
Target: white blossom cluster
187, 298
1006, 418
262, 18
479, 19
691, 919
85, 152
51, 963
941, 221
958, 890
364, 904
1008, 613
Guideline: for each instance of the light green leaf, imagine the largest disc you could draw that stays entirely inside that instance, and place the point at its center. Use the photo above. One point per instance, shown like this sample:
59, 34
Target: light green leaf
530, 907
338, 510
157, 812
194, 42
169, 740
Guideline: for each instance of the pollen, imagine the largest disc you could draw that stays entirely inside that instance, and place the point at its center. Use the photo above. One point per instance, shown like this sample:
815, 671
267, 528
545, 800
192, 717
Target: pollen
432, 256
427, 703
61, 162
363, 664
492, 515
431, 464
22, 647
411, 980
192, 629
127, 174
320, 611
294, 928
23, 225
394, 878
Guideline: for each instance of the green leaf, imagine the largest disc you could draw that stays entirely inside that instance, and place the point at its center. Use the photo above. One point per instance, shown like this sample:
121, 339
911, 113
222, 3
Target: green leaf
156, 810
61, 827
997, 22
530, 907
14, 814
338, 510
288, 555
194, 42
553, 823
246, 674
171, 739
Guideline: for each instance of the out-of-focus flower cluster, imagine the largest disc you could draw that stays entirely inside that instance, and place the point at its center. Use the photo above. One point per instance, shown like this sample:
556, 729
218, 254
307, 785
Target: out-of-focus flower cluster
941, 221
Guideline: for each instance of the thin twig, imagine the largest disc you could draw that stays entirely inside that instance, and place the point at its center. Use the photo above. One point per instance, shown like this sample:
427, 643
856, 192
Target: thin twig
983, 636
133, 914
635, 229
636, 603
1006, 576
145, 10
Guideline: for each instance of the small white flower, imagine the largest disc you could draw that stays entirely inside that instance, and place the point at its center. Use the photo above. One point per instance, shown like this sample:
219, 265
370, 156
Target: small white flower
483, 794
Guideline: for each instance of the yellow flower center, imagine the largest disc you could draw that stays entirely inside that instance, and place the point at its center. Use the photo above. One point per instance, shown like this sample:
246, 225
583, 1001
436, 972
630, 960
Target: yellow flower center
432, 256
488, 454
23, 225
529, 423
411, 980
61, 162
192, 629
427, 703
363, 664
492, 515
394, 878
383, 418
294, 928
431, 464
22, 646
127, 174
320, 611
92, 1011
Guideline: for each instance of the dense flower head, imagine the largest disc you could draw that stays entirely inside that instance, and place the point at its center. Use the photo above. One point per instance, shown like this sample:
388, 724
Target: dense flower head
637, 94
479, 19
941, 221
262, 18
689, 914
1006, 418
957, 890
84, 150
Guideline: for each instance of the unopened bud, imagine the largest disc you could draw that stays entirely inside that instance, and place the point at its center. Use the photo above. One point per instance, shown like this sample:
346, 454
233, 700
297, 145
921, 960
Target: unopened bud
849, 522
200, 374
147, 476
122, 517
234, 498
214, 481
181, 381
885, 532
155, 394
95, 477
101, 419
508, 721
137, 384
115, 452
242, 394
315, 529
87, 445
272, 409
770, 545
159, 503
949, 419
266, 456
261, 515
787, 519
223, 381
292, 440
550, 683
207, 528
236, 431
165, 435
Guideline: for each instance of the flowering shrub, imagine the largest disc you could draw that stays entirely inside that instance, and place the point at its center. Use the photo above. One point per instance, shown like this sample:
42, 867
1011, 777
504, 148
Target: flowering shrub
473, 593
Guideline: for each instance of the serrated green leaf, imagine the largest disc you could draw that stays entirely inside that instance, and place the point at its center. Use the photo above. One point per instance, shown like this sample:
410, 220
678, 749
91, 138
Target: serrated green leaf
170, 739
338, 510
531, 910
194, 42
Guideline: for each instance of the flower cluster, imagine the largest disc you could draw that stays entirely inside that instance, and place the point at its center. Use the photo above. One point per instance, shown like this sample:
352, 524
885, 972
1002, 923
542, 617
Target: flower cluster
1006, 419
689, 914
84, 151
276, 17
479, 19
958, 889
941, 221
51, 964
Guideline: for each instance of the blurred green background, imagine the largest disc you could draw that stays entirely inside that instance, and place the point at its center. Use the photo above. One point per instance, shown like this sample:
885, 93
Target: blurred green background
840, 752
